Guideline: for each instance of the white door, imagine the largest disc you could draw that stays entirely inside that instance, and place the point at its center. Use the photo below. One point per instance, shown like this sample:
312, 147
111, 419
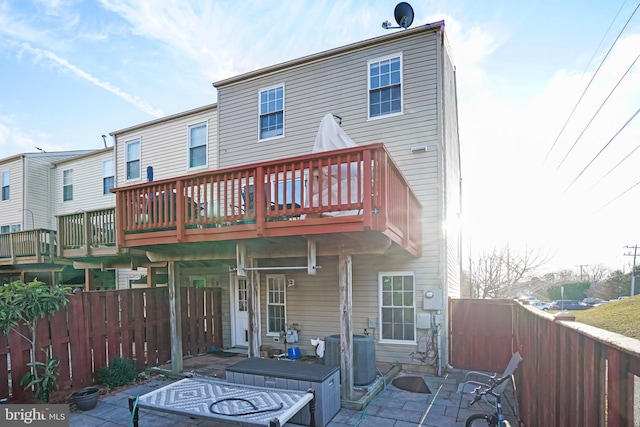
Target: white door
241, 313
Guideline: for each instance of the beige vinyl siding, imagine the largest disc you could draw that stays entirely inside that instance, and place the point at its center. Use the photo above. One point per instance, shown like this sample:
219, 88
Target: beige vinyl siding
38, 191
10, 209
338, 84
164, 146
314, 301
87, 184
452, 172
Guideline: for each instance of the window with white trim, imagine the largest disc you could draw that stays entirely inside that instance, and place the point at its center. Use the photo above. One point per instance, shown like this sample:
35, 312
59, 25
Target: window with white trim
107, 176
198, 145
6, 181
276, 304
4, 229
385, 86
67, 185
132, 154
271, 120
397, 306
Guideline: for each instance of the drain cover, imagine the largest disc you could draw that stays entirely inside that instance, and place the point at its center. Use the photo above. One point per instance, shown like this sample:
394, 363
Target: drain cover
410, 383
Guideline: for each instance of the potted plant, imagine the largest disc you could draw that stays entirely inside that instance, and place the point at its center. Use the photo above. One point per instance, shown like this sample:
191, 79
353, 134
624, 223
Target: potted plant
87, 398
23, 304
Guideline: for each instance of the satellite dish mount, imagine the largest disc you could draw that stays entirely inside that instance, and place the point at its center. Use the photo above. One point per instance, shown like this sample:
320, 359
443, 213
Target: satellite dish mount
403, 14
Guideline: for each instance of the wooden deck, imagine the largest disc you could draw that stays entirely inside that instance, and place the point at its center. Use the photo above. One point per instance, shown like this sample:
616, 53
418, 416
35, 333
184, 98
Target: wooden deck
355, 198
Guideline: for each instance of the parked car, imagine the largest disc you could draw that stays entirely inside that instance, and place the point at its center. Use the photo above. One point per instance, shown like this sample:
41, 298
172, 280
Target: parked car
593, 301
527, 299
568, 305
540, 305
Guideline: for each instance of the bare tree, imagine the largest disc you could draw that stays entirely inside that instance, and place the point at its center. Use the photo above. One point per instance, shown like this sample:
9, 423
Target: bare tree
499, 273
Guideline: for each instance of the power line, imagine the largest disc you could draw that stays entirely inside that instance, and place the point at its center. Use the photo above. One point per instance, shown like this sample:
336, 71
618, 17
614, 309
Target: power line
589, 84
601, 150
598, 111
617, 197
615, 167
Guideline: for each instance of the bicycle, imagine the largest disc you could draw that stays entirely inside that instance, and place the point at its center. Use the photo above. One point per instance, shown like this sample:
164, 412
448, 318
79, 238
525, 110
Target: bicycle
495, 419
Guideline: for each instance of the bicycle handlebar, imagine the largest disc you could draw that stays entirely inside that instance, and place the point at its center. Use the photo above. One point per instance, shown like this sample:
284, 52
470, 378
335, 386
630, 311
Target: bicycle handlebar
496, 383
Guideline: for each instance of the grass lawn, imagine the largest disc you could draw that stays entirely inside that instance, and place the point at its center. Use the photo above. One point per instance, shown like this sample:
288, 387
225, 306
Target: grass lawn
620, 317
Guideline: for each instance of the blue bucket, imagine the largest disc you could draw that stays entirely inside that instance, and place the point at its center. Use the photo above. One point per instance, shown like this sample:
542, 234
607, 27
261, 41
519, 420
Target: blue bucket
294, 353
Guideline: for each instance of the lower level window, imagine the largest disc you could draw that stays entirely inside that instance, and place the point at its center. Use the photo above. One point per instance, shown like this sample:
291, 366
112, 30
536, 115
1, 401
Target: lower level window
397, 306
276, 304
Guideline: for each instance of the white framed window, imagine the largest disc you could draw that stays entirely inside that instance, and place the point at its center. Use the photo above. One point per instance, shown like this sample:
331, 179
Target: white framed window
67, 185
198, 142
271, 108
132, 154
397, 307
276, 304
6, 185
108, 180
4, 229
385, 86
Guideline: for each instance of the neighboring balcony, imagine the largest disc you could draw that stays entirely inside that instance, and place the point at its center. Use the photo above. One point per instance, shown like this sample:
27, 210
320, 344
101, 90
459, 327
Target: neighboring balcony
356, 192
28, 247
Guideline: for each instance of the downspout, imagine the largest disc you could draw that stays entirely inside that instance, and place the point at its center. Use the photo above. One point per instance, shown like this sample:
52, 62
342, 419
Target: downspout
442, 200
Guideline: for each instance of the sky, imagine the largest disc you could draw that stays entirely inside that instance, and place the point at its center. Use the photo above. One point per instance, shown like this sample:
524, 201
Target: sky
546, 118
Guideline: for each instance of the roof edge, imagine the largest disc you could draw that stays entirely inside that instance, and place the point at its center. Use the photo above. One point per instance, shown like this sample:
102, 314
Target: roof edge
166, 118
435, 26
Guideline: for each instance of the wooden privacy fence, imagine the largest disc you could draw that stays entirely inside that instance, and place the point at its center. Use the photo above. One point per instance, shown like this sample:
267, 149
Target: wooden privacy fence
572, 374
99, 325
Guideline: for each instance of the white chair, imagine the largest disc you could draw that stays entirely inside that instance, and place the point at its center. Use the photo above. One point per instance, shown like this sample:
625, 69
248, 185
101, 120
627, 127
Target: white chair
474, 379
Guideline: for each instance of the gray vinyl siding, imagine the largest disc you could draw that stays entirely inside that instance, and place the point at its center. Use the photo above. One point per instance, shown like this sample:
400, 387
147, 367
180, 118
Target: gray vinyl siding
87, 184
10, 209
164, 146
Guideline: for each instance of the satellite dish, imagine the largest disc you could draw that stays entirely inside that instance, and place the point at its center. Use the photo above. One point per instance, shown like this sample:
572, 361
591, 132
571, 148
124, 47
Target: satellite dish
403, 14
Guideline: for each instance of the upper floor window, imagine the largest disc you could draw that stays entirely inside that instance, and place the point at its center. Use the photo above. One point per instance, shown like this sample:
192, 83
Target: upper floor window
385, 86
107, 176
276, 304
67, 185
272, 112
198, 145
133, 159
6, 178
397, 306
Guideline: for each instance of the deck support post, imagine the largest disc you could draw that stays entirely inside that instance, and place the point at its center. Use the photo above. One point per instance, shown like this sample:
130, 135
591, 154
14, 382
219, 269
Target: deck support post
254, 302
346, 326
311, 257
175, 317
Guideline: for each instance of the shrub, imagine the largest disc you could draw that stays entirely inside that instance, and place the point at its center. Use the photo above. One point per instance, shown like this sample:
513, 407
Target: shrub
119, 372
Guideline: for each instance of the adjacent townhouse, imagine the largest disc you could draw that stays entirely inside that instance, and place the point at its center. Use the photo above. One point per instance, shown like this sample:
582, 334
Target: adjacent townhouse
27, 221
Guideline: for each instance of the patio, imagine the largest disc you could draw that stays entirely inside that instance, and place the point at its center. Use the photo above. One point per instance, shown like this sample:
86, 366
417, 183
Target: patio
391, 407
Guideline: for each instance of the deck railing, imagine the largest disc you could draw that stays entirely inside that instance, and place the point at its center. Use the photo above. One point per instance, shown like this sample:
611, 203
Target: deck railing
362, 183
90, 229
37, 245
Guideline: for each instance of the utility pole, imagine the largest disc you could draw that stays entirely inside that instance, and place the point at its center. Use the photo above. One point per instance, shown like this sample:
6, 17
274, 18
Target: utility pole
633, 269
581, 265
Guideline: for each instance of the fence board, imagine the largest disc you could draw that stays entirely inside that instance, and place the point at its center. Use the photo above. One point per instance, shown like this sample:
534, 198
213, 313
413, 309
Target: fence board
98, 325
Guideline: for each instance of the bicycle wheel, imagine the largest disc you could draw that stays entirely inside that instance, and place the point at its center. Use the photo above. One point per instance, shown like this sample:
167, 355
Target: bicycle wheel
482, 420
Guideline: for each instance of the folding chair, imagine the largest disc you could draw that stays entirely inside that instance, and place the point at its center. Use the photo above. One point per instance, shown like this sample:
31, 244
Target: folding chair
469, 385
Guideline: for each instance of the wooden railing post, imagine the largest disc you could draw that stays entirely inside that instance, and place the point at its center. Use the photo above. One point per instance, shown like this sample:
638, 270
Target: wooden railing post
259, 201
86, 233
180, 209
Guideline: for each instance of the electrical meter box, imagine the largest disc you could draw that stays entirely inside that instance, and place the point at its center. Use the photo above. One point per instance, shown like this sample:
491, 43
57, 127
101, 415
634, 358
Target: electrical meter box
432, 299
